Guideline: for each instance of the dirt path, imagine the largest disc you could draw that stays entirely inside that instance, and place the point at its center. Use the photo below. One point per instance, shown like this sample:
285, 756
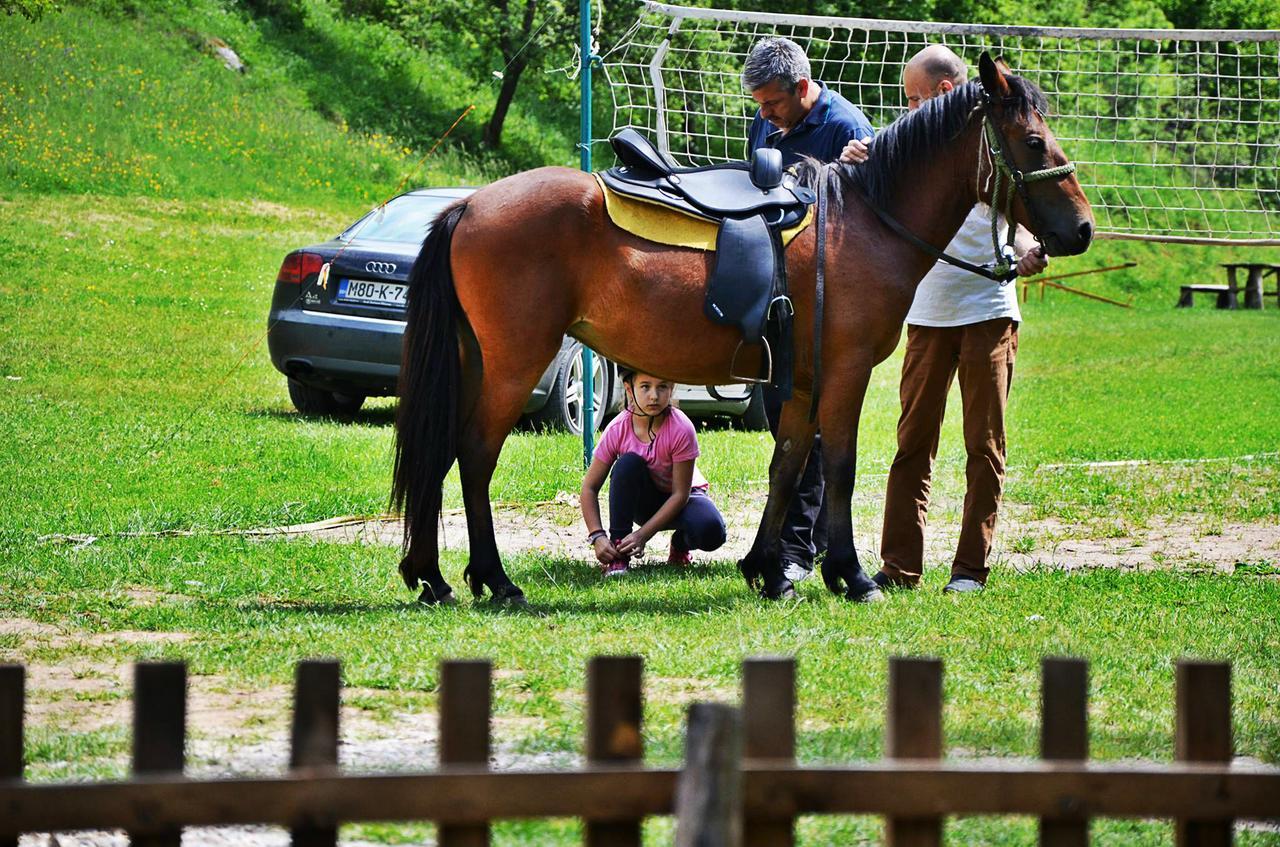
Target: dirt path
1021, 543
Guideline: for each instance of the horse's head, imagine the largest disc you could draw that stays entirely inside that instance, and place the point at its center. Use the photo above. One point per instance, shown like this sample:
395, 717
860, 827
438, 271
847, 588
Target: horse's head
1024, 172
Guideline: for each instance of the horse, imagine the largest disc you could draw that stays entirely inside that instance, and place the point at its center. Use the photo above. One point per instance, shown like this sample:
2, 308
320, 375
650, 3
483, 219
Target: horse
504, 274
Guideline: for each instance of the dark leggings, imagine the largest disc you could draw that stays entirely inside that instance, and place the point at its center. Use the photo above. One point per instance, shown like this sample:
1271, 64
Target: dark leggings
633, 499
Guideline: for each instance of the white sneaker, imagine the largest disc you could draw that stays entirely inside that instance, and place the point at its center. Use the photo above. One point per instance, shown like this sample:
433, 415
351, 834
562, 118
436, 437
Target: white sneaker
796, 572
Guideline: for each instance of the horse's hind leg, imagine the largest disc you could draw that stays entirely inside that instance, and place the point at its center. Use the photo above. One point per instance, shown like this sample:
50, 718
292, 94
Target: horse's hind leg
496, 394
422, 563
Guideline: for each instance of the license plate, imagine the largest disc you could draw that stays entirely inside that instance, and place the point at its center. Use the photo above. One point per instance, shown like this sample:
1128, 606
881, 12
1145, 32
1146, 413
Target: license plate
372, 293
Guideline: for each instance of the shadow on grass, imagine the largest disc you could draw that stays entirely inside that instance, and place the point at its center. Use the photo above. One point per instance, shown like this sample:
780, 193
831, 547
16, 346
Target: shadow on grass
656, 606
380, 417
581, 591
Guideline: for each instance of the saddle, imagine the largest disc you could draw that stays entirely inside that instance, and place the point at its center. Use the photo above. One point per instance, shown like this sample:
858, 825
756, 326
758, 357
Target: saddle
751, 204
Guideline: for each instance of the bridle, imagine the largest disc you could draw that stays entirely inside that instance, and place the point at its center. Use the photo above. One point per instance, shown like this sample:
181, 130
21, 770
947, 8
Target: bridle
1005, 178
1004, 172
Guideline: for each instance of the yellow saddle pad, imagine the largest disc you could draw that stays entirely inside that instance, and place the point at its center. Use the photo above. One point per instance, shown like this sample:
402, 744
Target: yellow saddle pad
665, 225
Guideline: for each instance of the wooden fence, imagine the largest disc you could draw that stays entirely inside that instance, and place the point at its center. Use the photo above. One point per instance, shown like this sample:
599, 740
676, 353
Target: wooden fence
740, 783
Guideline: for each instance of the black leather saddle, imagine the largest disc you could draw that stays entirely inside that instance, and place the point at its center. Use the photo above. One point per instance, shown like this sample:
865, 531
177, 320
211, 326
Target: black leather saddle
752, 202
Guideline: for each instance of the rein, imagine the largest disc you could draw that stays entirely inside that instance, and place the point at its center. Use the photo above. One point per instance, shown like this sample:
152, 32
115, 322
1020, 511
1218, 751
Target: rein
1006, 178
820, 272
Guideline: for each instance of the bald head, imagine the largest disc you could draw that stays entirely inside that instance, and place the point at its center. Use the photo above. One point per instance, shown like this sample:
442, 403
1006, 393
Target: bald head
933, 71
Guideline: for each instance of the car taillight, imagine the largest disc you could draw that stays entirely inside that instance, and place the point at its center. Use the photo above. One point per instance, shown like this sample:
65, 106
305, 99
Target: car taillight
298, 266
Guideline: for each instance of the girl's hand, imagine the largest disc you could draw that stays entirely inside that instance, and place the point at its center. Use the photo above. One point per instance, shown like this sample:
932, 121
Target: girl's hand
633, 544
605, 551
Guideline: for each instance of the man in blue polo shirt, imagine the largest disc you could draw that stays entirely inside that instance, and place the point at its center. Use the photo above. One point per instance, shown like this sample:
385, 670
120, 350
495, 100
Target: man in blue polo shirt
798, 115
801, 117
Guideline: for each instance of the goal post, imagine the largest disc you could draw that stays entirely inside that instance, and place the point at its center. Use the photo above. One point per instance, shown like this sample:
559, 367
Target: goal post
1175, 133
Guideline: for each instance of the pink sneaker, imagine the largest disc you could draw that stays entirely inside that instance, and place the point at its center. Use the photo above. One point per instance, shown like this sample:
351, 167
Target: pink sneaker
678, 555
619, 566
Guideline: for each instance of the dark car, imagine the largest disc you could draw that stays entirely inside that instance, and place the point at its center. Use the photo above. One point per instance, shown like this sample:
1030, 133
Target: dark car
336, 336
336, 333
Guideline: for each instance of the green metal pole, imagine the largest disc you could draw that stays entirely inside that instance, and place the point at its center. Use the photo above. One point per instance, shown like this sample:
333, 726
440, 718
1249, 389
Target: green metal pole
584, 149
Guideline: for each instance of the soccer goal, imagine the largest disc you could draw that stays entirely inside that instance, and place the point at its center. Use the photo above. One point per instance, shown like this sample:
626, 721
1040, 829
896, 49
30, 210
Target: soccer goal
1176, 133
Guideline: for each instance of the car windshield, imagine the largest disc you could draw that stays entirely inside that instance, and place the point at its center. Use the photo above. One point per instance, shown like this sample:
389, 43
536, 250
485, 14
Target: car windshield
404, 219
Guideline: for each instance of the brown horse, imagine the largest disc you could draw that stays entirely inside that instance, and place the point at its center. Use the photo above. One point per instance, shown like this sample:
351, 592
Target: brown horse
510, 270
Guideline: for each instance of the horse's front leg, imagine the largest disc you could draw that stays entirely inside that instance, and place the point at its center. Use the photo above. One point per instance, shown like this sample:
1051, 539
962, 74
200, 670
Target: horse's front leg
762, 566
841, 407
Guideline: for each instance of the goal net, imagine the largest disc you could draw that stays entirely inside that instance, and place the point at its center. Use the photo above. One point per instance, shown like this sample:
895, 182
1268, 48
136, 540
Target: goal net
1175, 133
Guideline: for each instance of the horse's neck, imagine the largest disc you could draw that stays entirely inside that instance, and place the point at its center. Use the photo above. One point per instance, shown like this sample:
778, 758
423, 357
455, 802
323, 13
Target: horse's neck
941, 192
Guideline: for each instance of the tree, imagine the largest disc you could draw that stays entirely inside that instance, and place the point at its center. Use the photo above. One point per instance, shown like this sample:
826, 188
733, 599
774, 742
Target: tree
496, 41
29, 9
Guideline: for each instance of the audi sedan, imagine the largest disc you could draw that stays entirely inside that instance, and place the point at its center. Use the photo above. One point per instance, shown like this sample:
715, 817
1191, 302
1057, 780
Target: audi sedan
337, 320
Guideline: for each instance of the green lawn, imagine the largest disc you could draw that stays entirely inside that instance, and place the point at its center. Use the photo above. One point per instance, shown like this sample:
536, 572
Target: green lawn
136, 396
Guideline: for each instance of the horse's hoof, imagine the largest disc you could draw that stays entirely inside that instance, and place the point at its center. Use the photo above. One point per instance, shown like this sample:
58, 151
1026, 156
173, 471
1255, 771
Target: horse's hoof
409, 574
875, 595
782, 591
509, 596
430, 598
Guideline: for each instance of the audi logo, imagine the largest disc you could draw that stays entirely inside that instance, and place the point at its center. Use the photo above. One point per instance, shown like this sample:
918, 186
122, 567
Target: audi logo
380, 267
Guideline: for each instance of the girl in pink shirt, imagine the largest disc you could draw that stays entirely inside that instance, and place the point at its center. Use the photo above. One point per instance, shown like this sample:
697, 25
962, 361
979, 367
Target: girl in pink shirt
648, 454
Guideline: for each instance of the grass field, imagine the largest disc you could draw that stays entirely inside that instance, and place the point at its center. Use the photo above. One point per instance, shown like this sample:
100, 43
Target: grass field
136, 397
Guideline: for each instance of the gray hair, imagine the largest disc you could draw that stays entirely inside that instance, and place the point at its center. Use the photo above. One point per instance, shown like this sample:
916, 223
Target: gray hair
778, 59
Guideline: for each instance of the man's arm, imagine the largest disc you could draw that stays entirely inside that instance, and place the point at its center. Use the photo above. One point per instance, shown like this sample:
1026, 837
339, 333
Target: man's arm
857, 148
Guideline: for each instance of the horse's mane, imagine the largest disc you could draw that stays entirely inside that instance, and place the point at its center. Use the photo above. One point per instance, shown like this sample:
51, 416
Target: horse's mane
914, 138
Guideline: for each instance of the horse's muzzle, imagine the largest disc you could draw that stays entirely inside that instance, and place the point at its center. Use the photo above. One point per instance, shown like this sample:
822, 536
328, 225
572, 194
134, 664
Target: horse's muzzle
1071, 243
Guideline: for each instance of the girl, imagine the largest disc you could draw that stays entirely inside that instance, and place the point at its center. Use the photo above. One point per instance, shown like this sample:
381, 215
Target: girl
651, 448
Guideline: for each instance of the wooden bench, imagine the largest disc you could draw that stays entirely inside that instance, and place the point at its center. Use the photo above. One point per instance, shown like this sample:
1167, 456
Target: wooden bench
1228, 297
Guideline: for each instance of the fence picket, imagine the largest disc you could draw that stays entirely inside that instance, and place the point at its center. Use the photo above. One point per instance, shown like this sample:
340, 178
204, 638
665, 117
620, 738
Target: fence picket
314, 738
1203, 734
12, 710
614, 714
914, 731
1064, 736
709, 792
769, 735
465, 708
159, 731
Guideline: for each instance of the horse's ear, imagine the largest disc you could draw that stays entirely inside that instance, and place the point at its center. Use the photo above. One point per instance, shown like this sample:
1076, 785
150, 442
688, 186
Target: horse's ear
993, 81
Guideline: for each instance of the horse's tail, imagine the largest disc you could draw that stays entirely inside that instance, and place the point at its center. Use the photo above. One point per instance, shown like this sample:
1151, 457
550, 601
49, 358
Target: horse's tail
430, 373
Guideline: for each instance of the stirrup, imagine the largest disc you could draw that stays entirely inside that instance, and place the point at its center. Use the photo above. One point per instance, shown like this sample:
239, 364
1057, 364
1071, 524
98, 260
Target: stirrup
768, 358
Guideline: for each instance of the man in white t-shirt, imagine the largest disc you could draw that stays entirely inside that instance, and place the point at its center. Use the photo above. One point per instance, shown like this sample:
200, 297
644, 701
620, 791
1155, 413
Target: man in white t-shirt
960, 324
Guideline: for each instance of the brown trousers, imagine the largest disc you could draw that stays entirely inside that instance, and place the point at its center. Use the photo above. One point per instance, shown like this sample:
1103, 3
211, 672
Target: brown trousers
982, 354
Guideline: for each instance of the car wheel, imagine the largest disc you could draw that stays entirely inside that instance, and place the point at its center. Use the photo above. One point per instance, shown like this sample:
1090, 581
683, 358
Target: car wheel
317, 401
564, 404
754, 418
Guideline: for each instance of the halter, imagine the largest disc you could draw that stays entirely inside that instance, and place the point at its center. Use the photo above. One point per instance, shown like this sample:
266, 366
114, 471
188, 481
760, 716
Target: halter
1003, 171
